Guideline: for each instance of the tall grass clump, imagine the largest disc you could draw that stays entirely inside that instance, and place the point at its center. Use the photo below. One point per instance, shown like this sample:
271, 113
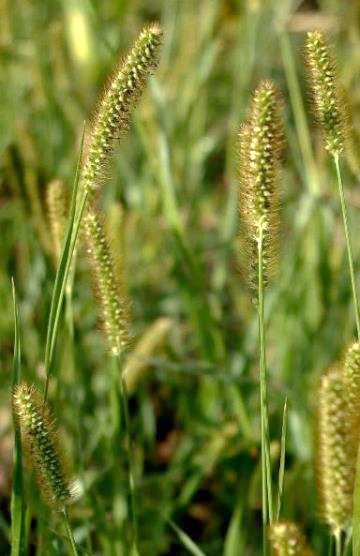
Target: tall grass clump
261, 143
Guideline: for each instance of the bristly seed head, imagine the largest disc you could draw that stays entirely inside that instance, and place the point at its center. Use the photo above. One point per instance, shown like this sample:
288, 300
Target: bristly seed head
327, 102
286, 539
352, 391
109, 285
261, 145
42, 446
114, 108
334, 458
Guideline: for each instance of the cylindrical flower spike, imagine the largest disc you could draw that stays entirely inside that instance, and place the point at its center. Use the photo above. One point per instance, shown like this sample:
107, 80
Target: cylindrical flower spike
109, 285
42, 446
286, 539
114, 108
58, 204
334, 457
261, 144
352, 392
328, 104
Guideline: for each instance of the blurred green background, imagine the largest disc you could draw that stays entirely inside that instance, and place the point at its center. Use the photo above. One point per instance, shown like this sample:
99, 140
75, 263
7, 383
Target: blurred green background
171, 201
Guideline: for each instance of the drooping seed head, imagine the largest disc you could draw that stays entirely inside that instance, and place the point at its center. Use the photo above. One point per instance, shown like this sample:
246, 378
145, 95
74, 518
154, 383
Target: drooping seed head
42, 446
114, 108
58, 204
109, 285
325, 95
286, 539
261, 145
334, 458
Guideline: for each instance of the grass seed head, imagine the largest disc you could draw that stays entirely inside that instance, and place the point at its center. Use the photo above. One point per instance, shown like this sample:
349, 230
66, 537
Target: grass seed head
352, 391
58, 205
261, 145
109, 285
327, 101
115, 106
334, 458
42, 446
286, 539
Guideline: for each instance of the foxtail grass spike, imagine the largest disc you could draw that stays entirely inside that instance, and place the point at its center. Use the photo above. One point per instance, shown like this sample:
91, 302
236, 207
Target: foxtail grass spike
352, 391
327, 101
286, 539
334, 458
261, 144
58, 205
114, 108
109, 285
42, 447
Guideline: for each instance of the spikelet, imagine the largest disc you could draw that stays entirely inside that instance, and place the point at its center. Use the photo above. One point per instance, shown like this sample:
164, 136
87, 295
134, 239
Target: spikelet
261, 144
286, 539
137, 363
334, 458
327, 101
58, 205
42, 446
114, 108
109, 285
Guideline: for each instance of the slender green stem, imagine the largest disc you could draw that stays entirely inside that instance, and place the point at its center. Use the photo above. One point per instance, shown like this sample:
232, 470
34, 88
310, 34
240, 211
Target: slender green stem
348, 244
337, 536
347, 542
267, 510
70, 533
130, 458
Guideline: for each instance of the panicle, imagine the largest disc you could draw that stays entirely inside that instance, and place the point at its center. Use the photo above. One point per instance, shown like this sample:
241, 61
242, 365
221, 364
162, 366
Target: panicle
328, 104
287, 539
42, 446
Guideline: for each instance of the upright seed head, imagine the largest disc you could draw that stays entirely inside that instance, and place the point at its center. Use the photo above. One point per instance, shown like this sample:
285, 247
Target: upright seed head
58, 205
286, 539
114, 108
42, 446
109, 285
352, 392
334, 458
261, 144
327, 102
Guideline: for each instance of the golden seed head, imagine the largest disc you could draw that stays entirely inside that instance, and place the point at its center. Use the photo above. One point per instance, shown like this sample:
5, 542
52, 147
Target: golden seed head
58, 204
115, 106
42, 446
334, 457
325, 95
352, 390
286, 539
109, 285
261, 145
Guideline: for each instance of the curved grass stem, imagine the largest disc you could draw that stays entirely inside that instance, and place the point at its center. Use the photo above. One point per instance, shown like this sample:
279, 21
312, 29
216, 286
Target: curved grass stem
348, 243
70, 533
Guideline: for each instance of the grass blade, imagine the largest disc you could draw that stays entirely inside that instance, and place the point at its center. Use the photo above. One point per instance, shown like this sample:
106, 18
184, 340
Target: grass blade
17, 496
186, 541
282, 462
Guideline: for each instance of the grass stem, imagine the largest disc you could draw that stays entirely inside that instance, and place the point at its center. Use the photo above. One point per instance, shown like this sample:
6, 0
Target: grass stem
70, 533
348, 244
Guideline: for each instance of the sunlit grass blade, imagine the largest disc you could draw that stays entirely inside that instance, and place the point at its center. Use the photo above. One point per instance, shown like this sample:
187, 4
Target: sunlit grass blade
63, 269
17, 496
186, 541
282, 462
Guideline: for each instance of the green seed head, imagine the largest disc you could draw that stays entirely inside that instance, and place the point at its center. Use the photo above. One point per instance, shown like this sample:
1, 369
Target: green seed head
114, 108
327, 102
352, 391
261, 145
334, 458
42, 446
109, 285
58, 203
286, 539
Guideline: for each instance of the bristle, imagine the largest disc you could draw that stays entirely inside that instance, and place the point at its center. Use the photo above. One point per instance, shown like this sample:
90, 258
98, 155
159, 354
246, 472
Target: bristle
115, 106
261, 144
325, 93
352, 391
42, 446
109, 285
334, 461
286, 539
58, 204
